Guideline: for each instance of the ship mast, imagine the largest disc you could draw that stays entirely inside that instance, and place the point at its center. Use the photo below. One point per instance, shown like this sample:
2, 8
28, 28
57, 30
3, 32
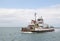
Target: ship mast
35, 16
35, 21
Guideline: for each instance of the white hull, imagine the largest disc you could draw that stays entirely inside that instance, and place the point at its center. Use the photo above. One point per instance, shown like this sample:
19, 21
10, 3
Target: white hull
39, 30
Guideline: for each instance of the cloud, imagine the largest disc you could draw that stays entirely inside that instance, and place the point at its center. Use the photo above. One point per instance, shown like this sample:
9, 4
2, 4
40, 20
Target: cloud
17, 17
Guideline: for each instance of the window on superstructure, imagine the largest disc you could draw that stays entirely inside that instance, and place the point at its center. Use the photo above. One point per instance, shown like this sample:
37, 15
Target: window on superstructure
40, 19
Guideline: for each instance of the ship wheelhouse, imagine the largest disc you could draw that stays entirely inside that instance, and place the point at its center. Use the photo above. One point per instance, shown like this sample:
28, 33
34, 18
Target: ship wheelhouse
40, 22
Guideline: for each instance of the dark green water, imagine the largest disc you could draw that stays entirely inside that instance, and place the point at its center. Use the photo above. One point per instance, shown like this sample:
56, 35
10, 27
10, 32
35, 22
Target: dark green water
14, 34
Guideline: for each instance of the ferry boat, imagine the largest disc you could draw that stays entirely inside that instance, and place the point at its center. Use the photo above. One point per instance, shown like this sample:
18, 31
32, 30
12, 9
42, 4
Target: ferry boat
37, 25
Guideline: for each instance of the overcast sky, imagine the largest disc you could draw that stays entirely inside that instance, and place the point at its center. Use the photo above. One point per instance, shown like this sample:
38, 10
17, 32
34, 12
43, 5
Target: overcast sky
17, 13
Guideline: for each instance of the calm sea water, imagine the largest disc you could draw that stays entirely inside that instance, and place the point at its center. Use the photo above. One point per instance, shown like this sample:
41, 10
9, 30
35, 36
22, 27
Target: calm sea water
14, 34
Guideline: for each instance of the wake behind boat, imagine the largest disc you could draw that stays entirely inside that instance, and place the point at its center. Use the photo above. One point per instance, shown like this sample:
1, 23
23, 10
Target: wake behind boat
26, 32
37, 25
